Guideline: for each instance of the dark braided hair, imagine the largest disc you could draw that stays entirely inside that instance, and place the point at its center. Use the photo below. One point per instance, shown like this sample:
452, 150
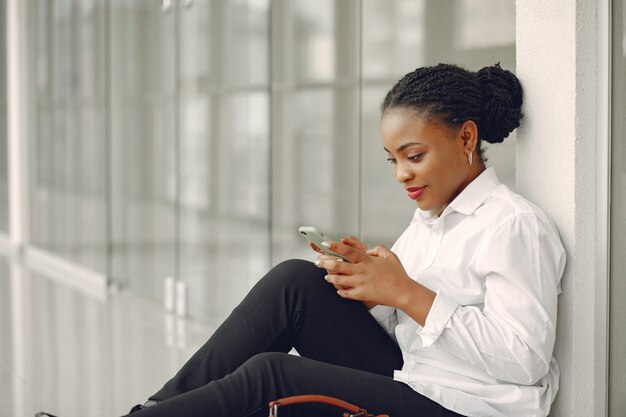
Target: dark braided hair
491, 97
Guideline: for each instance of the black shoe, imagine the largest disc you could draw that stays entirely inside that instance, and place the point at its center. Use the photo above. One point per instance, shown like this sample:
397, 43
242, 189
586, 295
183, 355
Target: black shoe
139, 407
42, 414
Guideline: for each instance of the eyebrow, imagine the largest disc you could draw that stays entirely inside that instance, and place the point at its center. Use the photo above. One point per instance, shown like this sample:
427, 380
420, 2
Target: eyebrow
403, 147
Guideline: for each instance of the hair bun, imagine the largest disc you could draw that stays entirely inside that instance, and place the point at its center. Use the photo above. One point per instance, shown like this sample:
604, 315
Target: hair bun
502, 107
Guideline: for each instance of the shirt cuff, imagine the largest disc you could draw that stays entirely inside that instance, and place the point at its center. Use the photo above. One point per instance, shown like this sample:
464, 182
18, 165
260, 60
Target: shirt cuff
381, 312
438, 317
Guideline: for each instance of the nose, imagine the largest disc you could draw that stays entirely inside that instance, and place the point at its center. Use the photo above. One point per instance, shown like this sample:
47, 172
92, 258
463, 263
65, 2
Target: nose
403, 173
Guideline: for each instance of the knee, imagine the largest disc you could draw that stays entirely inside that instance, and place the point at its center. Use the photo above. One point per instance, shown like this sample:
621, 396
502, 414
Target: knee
298, 274
293, 267
267, 365
266, 359
288, 284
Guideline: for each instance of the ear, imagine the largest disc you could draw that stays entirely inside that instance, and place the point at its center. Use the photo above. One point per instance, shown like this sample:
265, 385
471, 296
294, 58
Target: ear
468, 135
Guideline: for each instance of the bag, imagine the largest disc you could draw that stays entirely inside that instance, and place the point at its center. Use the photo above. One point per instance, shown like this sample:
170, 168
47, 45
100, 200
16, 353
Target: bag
349, 410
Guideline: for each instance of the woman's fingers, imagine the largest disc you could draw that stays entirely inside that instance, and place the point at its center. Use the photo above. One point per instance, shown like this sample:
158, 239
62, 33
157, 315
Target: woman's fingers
354, 242
331, 264
355, 255
343, 283
315, 248
353, 293
374, 276
378, 250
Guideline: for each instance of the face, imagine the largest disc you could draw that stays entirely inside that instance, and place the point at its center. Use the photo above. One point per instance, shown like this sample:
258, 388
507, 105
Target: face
429, 158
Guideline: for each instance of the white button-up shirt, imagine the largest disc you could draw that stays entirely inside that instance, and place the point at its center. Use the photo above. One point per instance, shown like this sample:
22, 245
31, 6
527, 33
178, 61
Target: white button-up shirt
495, 261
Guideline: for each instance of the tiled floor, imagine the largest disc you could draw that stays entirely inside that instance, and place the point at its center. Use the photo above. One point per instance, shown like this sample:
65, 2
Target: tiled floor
72, 355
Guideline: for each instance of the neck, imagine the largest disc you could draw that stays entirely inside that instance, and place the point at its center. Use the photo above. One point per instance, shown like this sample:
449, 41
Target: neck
475, 170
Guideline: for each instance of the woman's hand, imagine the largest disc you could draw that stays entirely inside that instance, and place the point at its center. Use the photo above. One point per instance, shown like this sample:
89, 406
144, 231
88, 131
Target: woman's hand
346, 240
376, 277
354, 242
351, 241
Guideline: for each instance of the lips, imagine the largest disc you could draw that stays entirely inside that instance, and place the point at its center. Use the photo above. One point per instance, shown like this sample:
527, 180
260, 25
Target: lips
415, 192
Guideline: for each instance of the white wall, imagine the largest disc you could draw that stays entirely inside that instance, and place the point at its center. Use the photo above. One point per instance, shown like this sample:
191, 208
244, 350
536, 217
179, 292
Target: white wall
556, 168
17, 86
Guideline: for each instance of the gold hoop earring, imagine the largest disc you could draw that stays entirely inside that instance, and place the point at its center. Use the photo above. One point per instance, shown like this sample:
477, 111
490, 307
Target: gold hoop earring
469, 158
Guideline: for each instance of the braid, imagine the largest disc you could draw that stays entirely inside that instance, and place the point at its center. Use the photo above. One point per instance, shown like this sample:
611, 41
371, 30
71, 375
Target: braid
503, 102
492, 98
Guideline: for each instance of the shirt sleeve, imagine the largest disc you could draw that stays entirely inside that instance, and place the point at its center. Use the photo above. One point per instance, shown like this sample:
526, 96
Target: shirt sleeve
386, 316
511, 336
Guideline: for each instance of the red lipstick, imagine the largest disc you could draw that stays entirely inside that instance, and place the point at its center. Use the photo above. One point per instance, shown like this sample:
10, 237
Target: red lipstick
415, 192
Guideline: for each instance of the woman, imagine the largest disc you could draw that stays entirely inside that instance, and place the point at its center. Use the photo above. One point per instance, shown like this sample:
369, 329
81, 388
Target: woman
458, 318
462, 309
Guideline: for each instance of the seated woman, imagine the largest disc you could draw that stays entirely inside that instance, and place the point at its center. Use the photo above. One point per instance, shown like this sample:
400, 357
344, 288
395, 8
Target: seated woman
458, 318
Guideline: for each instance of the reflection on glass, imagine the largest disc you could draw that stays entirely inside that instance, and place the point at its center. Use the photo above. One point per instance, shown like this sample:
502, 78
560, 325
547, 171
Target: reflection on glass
224, 113
4, 163
617, 347
315, 36
68, 143
484, 23
224, 136
224, 44
393, 38
224, 234
74, 355
143, 150
316, 173
315, 124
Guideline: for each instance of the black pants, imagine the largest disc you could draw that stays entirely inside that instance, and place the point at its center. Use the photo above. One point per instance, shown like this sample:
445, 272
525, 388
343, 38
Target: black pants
344, 352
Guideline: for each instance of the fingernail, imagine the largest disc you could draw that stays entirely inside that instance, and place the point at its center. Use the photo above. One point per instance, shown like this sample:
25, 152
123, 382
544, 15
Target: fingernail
339, 259
326, 244
317, 263
326, 277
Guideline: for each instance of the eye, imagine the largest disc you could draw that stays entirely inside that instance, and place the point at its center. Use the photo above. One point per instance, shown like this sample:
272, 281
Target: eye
416, 157
391, 160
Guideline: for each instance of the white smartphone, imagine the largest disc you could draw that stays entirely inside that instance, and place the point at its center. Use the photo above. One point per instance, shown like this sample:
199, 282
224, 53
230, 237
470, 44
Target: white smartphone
316, 237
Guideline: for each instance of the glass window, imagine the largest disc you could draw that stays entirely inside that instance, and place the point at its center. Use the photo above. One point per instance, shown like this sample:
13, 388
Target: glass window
224, 152
68, 140
484, 24
315, 123
215, 128
143, 150
617, 344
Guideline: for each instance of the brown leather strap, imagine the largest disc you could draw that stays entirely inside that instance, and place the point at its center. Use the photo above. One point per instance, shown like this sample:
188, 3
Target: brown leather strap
351, 409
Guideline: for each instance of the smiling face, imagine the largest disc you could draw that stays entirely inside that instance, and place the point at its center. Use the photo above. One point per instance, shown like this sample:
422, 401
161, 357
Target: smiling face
430, 159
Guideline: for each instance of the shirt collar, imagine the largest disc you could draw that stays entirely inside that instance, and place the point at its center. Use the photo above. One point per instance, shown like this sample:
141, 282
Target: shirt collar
469, 199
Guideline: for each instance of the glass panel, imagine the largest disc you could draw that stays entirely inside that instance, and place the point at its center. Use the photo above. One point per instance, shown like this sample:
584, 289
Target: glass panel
315, 123
315, 36
224, 152
399, 36
392, 39
4, 163
212, 164
617, 346
143, 151
68, 141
